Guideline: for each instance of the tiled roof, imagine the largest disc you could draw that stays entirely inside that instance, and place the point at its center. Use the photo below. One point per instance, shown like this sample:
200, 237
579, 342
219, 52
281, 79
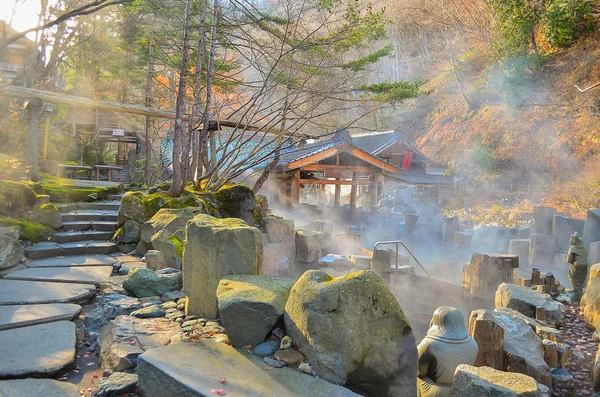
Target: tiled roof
376, 143
418, 177
296, 153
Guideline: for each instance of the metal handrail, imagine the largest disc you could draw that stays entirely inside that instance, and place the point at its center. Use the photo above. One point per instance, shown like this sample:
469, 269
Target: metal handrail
398, 242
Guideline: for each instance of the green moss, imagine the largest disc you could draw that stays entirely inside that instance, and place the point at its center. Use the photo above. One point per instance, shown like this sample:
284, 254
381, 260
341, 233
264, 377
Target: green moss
32, 231
63, 190
178, 245
48, 207
18, 197
230, 198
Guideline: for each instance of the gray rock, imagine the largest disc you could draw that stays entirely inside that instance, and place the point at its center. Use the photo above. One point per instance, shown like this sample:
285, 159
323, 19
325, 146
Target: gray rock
155, 260
173, 296
237, 201
37, 387
163, 242
485, 381
123, 339
485, 238
312, 245
216, 248
250, 306
38, 350
332, 322
107, 308
132, 208
542, 217
562, 377
591, 229
562, 229
142, 282
11, 252
526, 301
542, 249
48, 215
266, 348
113, 285
149, 312
116, 385
166, 372
273, 363
485, 272
129, 233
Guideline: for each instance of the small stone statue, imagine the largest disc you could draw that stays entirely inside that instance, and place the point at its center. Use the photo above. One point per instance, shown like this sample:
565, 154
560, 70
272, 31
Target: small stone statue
577, 257
446, 346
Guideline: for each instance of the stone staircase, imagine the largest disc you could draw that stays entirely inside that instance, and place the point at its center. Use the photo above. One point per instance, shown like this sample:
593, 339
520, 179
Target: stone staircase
38, 305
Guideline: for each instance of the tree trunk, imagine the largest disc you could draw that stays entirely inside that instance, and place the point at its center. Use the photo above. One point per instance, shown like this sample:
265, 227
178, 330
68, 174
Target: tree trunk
197, 145
149, 77
180, 108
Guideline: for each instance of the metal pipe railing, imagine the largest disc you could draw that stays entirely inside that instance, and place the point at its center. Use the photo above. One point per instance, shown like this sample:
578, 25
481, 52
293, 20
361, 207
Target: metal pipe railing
396, 243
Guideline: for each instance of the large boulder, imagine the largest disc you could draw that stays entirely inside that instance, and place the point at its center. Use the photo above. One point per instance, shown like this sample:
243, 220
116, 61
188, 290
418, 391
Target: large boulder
353, 332
215, 248
171, 247
107, 308
542, 218
172, 220
520, 248
312, 245
485, 238
542, 249
526, 300
11, 252
523, 349
594, 252
485, 272
250, 306
449, 226
142, 282
591, 228
236, 201
485, 381
48, 215
129, 233
282, 232
591, 302
132, 207
123, 339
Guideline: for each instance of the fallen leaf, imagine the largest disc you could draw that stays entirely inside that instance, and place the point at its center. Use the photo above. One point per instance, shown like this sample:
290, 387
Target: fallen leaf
222, 380
86, 355
95, 375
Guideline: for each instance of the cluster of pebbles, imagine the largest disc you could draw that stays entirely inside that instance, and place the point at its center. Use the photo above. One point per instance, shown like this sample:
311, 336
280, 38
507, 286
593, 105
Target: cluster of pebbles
580, 337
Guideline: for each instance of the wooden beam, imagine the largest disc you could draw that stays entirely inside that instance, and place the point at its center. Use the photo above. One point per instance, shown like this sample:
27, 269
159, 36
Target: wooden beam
375, 161
336, 182
324, 167
338, 193
87, 103
311, 159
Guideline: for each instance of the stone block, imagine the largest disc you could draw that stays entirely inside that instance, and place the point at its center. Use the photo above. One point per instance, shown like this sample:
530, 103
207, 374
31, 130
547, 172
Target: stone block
490, 340
215, 248
485, 272
449, 226
591, 228
542, 249
485, 238
520, 247
527, 301
522, 277
542, 218
594, 252
155, 260
462, 239
562, 229
484, 382
361, 262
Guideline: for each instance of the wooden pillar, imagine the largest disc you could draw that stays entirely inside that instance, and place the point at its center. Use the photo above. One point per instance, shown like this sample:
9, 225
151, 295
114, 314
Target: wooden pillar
338, 193
374, 192
296, 188
34, 111
353, 190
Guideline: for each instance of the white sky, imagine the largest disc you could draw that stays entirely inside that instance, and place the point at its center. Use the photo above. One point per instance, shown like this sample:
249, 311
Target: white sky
26, 13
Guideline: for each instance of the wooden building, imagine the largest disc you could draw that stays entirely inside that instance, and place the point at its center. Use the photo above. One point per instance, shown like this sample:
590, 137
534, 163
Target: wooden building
361, 162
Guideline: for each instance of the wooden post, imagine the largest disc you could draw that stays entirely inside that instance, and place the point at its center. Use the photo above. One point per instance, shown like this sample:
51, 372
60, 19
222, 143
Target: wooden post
282, 192
353, 190
296, 188
374, 192
34, 110
338, 193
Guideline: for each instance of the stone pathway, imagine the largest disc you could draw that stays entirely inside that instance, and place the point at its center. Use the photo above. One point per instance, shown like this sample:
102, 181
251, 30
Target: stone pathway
579, 335
38, 305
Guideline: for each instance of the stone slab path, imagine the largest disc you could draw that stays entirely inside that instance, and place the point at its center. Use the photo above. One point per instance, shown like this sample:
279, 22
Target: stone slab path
38, 350
17, 292
37, 387
195, 370
75, 260
18, 316
74, 274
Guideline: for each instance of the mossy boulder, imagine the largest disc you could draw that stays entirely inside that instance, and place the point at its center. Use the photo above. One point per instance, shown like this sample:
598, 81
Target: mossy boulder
353, 332
16, 197
132, 208
170, 246
63, 190
250, 306
236, 201
141, 282
29, 230
170, 219
48, 215
215, 248
129, 233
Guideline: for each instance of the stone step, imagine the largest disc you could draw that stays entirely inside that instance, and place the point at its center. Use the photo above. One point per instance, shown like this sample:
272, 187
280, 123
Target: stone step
17, 292
75, 260
114, 197
52, 250
90, 225
101, 205
19, 316
76, 275
197, 368
38, 387
90, 215
71, 237
38, 350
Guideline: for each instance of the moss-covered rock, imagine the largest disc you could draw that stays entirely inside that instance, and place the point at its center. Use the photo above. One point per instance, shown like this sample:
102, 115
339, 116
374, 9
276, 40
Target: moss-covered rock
132, 208
29, 230
129, 233
16, 197
236, 201
63, 190
142, 282
353, 332
48, 215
